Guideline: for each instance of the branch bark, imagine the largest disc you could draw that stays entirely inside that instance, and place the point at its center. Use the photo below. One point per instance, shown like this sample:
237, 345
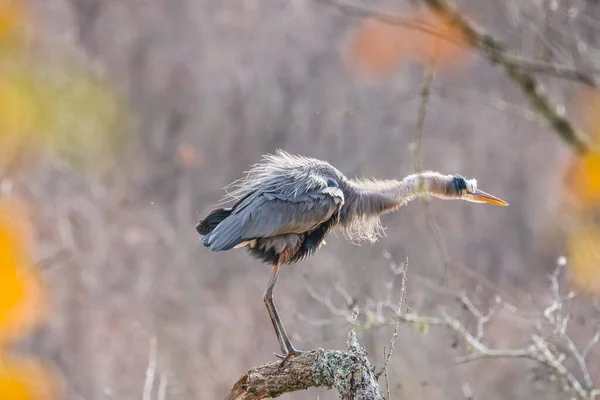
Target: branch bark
349, 372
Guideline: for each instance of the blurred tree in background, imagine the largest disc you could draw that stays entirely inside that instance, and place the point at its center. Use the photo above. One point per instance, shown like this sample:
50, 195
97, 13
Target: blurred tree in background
581, 202
51, 104
377, 47
23, 306
121, 122
47, 106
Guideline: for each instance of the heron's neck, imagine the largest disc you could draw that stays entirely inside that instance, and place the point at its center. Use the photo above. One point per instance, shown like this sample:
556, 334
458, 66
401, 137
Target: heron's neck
378, 197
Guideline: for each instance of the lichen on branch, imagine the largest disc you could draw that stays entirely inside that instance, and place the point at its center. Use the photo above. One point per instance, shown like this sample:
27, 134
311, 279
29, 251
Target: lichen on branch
348, 371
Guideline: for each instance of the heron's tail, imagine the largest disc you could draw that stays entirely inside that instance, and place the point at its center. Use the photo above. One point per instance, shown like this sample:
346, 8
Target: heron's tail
210, 222
227, 236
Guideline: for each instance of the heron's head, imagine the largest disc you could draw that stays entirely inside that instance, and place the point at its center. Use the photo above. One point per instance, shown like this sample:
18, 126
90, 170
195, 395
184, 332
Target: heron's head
466, 189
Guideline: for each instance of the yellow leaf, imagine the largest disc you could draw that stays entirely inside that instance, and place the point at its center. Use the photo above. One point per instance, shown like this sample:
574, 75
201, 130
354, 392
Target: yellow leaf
81, 117
582, 180
587, 104
584, 257
422, 327
61, 108
581, 174
11, 20
22, 379
17, 113
21, 298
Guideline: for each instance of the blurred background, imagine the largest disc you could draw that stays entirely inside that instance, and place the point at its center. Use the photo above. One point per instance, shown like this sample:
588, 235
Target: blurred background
122, 121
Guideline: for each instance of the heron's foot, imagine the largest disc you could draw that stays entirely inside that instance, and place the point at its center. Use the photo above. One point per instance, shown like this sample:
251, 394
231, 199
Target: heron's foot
291, 353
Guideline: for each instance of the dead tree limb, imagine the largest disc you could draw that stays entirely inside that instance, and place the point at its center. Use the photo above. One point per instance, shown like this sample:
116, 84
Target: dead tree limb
349, 372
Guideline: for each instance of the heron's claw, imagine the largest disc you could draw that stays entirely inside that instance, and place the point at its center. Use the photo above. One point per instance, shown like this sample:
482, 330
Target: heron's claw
291, 353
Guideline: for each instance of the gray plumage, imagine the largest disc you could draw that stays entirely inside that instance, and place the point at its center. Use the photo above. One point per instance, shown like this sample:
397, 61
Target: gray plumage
281, 198
286, 205
291, 194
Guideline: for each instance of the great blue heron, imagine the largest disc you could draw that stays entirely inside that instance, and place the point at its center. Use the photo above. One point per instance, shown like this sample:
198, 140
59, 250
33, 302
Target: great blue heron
287, 204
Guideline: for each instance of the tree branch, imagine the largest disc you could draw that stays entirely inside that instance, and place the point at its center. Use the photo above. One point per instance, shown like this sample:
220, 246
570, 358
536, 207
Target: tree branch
517, 69
495, 52
349, 372
390, 18
548, 343
551, 68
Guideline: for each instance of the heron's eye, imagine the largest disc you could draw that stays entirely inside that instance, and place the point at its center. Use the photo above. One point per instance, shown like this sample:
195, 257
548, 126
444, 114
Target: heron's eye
459, 185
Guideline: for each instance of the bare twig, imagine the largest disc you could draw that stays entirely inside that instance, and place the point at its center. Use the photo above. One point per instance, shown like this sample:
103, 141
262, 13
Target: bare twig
150, 370
162, 387
539, 349
425, 90
549, 68
481, 350
403, 288
559, 325
472, 97
51, 260
467, 392
481, 319
549, 325
547, 357
416, 149
401, 301
388, 396
390, 18
593, 342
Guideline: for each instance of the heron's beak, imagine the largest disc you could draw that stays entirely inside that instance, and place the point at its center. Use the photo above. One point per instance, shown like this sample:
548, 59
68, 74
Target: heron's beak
479, 196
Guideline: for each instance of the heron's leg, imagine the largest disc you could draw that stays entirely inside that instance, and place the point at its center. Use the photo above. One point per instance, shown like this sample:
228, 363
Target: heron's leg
284, 342
268, 299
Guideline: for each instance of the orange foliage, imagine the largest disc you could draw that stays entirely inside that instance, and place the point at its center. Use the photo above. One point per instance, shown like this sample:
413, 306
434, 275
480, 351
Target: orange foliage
37, 109
582, 182
584, 256
377, 47
21, 301
11, 19
22, 306
187, 154
25, 380
581, 176
581, 199
587, 104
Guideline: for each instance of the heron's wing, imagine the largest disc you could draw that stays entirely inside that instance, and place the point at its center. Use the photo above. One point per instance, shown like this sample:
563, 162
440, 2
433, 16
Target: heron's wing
271, 214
